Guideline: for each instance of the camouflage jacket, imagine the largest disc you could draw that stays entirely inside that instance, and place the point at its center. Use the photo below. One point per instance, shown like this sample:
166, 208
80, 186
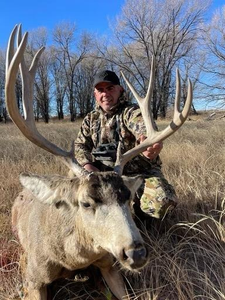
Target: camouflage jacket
123, 124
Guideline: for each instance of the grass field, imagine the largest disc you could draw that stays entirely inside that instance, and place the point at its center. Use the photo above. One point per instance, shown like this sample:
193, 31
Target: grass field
187, 248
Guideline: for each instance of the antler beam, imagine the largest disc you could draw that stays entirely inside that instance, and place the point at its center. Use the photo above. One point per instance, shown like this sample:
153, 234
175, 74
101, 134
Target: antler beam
154, 136
14, 61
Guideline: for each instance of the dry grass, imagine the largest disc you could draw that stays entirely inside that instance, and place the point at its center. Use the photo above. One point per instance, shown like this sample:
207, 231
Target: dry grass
187, 247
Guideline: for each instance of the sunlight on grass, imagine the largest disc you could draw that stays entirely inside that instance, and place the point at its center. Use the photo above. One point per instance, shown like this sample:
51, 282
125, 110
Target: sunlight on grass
187, 248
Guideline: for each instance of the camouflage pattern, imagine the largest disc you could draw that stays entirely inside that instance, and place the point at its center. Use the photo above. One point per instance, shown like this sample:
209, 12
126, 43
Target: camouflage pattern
125, 124
158, 197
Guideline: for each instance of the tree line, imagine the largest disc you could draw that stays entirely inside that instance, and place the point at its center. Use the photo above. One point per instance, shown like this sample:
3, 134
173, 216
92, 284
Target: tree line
180, 34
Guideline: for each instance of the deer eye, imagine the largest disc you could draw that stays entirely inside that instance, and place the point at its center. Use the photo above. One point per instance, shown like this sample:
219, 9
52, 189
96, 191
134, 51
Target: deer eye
85, 204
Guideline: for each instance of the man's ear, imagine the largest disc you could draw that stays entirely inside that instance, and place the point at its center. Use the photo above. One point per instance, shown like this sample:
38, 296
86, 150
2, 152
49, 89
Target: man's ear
121, 89
44, 188
133, 183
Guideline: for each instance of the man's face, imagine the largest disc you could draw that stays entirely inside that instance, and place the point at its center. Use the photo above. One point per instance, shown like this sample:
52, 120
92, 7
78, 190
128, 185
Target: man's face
107, 95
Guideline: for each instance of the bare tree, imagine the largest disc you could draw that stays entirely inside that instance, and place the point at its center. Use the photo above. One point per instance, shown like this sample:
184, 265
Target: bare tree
19, 92
59, 81
85, 73
166, 29
42, 87
38, 38
84, 88
214, 85
70, 55
192, 67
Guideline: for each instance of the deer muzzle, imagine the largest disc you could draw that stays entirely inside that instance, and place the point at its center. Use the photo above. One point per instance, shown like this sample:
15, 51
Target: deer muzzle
135, 257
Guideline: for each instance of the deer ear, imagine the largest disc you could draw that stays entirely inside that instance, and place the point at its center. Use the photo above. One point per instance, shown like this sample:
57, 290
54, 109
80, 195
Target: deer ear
40, 186
133, 183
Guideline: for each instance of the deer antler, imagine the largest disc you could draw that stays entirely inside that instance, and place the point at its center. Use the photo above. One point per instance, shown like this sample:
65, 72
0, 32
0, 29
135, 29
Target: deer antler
14, 60
154, 136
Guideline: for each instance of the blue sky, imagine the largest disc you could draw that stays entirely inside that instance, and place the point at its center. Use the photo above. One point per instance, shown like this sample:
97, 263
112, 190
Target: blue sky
87, 15
91, 15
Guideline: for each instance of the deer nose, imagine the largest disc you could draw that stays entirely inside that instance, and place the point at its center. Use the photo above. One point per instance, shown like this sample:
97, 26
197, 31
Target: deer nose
136, 257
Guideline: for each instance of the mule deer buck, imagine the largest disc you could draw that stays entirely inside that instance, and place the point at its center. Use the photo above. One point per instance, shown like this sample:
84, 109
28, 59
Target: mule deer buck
66, 224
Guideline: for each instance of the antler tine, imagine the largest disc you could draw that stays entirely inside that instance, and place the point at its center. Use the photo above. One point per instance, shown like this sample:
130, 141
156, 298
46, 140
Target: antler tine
27, 124
10, 50
154, 136
181, 116
145, 103
12, 65
28, 77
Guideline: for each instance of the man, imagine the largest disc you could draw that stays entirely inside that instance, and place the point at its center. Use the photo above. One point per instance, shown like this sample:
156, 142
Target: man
114, 120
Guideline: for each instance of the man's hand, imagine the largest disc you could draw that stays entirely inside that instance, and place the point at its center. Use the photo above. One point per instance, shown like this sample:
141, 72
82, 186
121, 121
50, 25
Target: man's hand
153, 151
91, 168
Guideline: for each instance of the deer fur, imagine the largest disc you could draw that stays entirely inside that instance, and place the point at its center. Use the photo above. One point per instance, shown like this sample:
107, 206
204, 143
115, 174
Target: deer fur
70, 223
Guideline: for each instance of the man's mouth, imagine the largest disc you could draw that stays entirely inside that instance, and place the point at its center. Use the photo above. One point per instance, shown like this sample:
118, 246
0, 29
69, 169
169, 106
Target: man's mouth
106, 100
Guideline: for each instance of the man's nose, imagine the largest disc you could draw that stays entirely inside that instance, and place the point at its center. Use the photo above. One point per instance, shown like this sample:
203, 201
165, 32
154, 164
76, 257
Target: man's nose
105, 92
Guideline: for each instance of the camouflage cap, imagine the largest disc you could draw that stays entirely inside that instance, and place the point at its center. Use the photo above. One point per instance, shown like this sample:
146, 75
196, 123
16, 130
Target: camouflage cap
106, 76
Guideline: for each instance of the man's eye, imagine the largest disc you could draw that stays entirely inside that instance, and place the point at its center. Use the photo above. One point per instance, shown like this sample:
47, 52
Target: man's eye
110, 88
